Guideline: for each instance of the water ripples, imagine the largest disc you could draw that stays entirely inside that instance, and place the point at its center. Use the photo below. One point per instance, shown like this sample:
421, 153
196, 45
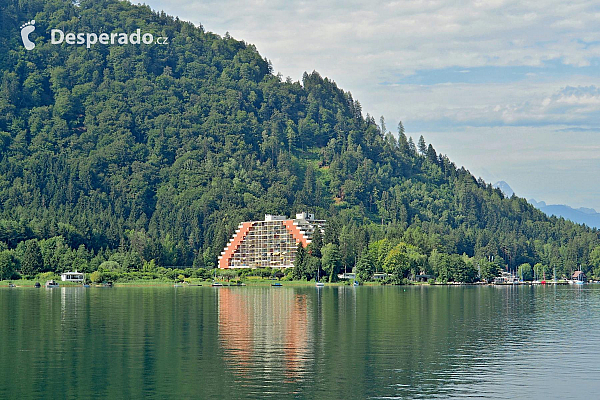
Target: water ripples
334, 342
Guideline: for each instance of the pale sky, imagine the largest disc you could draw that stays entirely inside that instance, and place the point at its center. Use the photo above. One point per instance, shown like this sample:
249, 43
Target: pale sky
509, 89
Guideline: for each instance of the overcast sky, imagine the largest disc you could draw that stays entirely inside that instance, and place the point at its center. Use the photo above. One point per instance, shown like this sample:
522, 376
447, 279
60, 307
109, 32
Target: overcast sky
509, 89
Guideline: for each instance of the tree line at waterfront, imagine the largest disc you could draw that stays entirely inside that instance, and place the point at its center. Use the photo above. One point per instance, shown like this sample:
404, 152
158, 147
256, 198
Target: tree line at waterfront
397, 262
131, 159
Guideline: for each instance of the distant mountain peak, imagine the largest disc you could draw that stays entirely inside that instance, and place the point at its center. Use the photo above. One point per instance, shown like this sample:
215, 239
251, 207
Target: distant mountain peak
537, 204
505, 188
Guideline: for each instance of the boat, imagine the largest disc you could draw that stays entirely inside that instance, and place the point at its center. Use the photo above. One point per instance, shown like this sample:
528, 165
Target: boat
215, 283
178, 285
319, 283
356, 284
12, 285
37, 285
277, 284
51, 284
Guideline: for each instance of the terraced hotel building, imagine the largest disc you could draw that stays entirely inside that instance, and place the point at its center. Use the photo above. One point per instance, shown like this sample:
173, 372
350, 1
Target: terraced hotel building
269, 243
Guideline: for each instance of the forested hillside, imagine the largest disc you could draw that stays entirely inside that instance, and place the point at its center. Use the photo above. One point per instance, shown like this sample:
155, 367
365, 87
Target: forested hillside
132, 153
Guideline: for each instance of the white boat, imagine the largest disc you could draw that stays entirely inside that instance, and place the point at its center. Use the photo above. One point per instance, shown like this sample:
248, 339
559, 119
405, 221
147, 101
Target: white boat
319, 283
51, 284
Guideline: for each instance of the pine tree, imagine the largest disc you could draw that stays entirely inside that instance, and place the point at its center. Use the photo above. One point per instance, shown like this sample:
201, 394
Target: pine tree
431, 154
330, 234
411, 145
299, 263
314, 248
402, 140
422, 145
401, 131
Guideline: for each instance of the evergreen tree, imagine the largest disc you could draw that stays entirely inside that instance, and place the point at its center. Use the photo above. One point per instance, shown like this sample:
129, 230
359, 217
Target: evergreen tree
431, 155
299, 271
8, 265
401, 131
331, 235
314, 248
382, 125
331, 261
402, 140
422, 146
411, 146
32, 261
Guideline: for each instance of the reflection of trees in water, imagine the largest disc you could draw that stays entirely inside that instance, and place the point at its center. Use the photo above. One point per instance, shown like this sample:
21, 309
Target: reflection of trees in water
437, 340
264, 331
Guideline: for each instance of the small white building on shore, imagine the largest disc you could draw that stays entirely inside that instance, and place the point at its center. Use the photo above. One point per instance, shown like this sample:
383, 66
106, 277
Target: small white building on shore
72, 276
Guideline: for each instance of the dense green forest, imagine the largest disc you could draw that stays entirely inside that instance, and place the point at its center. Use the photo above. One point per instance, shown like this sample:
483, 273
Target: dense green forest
139, 156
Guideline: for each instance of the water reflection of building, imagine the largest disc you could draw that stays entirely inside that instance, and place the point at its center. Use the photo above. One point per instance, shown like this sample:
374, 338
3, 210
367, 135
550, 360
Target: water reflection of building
263, 330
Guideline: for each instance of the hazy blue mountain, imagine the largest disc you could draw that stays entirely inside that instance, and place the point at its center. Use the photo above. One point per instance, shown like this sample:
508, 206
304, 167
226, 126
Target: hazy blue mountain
582, 215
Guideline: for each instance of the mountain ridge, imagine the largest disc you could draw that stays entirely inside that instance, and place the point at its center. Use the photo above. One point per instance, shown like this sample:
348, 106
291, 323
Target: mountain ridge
581, 215
156, 153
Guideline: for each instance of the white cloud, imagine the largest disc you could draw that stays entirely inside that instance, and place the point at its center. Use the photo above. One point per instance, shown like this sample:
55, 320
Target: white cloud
406, 35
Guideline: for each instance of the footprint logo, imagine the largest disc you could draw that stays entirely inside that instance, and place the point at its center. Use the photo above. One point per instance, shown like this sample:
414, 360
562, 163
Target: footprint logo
26, 30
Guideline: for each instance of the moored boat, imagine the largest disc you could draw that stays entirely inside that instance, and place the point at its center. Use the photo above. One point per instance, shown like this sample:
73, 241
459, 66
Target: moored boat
51, 284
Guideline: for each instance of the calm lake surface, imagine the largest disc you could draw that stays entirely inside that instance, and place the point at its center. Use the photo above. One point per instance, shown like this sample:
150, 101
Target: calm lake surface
332, 342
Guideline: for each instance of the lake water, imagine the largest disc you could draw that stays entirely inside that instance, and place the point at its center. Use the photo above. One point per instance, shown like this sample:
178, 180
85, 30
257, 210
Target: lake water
332, 342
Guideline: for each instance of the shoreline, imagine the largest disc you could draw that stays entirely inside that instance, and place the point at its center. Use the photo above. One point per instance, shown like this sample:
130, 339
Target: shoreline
25, 283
